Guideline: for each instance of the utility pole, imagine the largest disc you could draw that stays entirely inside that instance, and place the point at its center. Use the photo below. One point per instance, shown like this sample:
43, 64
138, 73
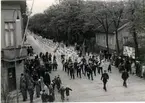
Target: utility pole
17, 20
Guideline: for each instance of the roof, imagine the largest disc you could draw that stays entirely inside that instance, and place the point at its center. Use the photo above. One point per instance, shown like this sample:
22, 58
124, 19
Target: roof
123, 24
22, 3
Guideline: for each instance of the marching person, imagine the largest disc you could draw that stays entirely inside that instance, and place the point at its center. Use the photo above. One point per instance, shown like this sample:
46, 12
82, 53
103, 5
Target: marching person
105, 78
125, 76
51, 91
58, 82
41, 83
72, 72
44, 97
109, 67
83, 64
53, 84
23, 87
100, 68
49, 57
38, 88
46, 89
31, 89
47, 79
94, 66
55, 65
79, 70
62, 90
67, 90
89, 72
65, 66
75, 64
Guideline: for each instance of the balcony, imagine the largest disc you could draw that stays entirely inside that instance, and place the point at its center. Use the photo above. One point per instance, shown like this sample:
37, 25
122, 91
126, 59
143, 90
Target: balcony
10, 54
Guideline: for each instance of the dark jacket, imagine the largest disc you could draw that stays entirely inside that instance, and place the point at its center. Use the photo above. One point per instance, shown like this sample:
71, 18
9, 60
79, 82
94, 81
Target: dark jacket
125, 75
67, 89
44, 97
105, 77
47, 78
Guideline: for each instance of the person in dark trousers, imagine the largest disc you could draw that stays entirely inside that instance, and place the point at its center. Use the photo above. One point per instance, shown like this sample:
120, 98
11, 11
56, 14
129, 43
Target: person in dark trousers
51, 91
79, 71
83, 65
38, 87
75, 64
62, 90
65, 66
72, 71
23, 87
44, 97
67, 90
47, 79
89, 71
28, 51
94, 66
58, 82
53, 84
100, 69
68, 69
109, 67
49, 57
55, 65
31, 89
105, 78
125, 76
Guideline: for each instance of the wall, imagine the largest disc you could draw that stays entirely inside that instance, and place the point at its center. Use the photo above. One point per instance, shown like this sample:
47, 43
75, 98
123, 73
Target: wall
101, 40
121, 34
19, 70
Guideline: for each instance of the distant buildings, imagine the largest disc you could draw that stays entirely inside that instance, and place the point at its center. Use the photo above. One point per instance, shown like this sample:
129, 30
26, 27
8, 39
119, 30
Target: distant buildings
12, 14
125, 38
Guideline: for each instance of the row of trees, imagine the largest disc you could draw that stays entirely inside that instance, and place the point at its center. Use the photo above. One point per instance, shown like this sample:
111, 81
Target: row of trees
77, 21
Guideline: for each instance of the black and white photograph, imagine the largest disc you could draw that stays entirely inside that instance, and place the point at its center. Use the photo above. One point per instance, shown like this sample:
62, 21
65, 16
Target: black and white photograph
72, 51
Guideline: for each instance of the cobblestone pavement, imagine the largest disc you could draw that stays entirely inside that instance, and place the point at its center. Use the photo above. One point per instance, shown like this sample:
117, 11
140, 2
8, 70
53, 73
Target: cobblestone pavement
85, 90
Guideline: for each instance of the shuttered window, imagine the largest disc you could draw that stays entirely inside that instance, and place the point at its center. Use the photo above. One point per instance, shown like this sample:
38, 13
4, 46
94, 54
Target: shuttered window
9, 34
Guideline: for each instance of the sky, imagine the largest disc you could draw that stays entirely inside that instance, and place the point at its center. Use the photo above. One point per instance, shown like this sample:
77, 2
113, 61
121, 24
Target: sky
40, 5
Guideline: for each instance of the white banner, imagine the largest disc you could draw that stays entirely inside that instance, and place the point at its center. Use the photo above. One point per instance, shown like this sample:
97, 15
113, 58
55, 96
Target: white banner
129, 51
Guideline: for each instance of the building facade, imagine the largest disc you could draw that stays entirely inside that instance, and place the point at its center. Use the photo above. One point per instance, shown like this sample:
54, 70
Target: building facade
124, 37
12, 64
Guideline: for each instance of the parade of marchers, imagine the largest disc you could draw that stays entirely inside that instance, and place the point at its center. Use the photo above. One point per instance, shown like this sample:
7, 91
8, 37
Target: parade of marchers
36, 76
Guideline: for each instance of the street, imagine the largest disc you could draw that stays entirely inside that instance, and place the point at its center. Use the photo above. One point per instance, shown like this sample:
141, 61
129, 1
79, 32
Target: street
85, 90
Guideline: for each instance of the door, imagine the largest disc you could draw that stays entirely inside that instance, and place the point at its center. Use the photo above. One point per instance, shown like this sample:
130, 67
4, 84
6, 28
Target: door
11, 79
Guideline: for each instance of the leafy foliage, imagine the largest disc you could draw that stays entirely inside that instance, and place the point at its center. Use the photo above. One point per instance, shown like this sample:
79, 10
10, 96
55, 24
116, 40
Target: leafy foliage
75, 21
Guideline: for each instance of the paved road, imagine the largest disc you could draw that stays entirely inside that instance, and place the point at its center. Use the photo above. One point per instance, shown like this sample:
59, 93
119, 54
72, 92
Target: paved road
85, 90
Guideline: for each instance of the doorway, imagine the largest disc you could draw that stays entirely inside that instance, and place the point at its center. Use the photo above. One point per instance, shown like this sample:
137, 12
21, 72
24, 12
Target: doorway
11, 79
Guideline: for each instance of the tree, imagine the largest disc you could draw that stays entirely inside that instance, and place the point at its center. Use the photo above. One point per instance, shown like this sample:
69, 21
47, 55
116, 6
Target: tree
136, 21
117, 12
104, 18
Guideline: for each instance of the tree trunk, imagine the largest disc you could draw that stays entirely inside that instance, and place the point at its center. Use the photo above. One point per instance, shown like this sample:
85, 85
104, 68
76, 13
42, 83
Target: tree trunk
68, 35
135, 42
117, 43
107, 44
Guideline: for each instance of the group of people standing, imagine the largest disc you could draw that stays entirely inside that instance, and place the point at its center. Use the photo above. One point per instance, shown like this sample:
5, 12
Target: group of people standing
29, 50
36, 78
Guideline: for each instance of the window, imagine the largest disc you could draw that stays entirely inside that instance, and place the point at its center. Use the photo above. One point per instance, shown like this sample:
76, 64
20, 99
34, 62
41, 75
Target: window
111, 41
9, 34
125, 39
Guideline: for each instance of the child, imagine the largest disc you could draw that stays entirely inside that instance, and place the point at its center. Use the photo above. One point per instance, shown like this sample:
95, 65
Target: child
44, 97
67, 89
